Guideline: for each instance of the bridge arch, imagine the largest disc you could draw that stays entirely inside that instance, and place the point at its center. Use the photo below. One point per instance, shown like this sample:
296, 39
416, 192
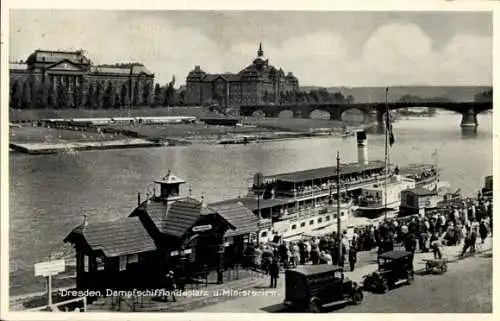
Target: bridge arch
287, 113
320, 113
259, 113
354, 115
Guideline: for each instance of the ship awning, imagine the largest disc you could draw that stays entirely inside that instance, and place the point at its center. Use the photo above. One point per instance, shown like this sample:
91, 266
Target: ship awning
253, 204
325, 172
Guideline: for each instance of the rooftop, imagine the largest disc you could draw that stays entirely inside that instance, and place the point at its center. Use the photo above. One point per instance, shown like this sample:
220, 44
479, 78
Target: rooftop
394, 255
420, 191
177, 218
120, 237
135, 70
238, 215
316, 269
18, 66
317, 173
170, 179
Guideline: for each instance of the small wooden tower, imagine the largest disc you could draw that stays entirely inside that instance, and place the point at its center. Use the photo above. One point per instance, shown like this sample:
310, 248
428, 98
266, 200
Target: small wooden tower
169, 188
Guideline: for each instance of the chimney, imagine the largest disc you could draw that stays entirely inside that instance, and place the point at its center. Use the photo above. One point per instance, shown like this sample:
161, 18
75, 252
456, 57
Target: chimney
85, 222
362, 147
138, 199
203, 204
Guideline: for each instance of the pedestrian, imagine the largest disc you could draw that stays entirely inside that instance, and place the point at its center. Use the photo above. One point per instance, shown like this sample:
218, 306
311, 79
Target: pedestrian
467, 242
274, 272
353, 257
436, 246
483, 230
170, 286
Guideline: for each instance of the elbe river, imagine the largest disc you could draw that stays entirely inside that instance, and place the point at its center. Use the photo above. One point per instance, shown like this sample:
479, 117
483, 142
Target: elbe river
49, 194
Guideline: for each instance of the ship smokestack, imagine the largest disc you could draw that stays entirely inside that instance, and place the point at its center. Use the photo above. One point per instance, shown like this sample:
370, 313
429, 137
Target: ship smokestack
362, 147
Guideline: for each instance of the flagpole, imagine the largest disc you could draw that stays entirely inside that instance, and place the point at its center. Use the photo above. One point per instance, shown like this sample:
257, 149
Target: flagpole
386, 150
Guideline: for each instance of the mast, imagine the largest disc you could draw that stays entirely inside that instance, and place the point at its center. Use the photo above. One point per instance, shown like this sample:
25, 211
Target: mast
386, 158
339, 232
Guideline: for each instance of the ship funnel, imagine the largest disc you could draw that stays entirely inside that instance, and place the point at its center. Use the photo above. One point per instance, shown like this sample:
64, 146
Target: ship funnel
362, 147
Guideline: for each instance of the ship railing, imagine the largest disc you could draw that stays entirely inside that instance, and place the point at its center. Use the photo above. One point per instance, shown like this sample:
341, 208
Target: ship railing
370, 202
326, 190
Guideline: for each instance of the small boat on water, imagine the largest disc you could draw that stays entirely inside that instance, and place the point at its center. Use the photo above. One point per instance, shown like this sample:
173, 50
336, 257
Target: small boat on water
238, 141
348, 134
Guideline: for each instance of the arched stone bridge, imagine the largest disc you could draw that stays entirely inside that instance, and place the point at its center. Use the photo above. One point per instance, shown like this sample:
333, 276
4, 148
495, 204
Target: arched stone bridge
469, 110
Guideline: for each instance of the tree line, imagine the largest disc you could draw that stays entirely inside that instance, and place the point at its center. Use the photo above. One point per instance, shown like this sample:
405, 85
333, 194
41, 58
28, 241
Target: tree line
315, 96
98, 95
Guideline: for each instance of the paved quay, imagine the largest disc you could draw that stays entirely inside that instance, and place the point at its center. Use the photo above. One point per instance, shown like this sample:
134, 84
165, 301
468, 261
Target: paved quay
428, 293
48, 148
252, 294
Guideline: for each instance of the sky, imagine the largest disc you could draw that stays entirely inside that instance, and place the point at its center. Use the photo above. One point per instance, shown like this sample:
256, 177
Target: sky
320, 48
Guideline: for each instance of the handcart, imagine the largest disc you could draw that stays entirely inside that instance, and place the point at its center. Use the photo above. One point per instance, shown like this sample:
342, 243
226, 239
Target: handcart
436, 265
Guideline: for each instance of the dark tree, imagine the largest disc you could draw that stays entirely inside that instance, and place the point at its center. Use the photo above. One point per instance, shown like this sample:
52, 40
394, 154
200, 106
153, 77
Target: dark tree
125, 95
157, 95
170, 95
90, 99
314, 96
42, 95
324, 96
78, 96
135, 96
108, 98
181, 101
146, 95
60, 95
98, 95
53, 96
16, 92
338, 98
118, 98
26, 98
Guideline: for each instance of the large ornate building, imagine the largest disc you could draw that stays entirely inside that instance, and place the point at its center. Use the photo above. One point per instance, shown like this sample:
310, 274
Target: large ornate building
259, 83
72, 70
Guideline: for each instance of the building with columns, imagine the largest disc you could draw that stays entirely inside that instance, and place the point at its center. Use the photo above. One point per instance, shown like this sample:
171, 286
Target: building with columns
75, 72
259, 83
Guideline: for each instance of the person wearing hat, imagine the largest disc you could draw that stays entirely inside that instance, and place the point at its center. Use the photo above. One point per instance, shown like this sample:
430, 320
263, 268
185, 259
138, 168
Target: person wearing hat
274, 272
353, 256
170, 285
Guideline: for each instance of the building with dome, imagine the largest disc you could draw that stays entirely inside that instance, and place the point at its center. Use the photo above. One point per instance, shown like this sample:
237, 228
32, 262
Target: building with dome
257, 84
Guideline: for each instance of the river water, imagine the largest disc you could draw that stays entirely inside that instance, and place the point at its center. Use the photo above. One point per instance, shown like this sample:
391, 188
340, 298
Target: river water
50, 193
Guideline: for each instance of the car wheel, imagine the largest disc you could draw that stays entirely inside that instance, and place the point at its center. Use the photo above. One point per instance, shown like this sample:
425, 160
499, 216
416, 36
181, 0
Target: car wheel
314, 307
409, 278
428, 267
357, 297
384, 285
444, 268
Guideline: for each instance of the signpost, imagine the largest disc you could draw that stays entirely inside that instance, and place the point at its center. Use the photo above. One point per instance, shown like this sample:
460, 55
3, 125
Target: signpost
202, 228
48, 269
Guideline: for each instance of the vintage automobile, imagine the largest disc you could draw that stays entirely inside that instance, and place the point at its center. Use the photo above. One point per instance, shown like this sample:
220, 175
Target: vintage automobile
394, 268
312, 287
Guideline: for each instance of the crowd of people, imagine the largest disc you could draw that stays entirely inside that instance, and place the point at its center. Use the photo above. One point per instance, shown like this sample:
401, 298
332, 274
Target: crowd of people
457, 221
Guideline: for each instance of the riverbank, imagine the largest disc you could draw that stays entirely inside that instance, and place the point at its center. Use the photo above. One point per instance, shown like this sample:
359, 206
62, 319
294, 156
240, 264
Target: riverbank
44, 140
